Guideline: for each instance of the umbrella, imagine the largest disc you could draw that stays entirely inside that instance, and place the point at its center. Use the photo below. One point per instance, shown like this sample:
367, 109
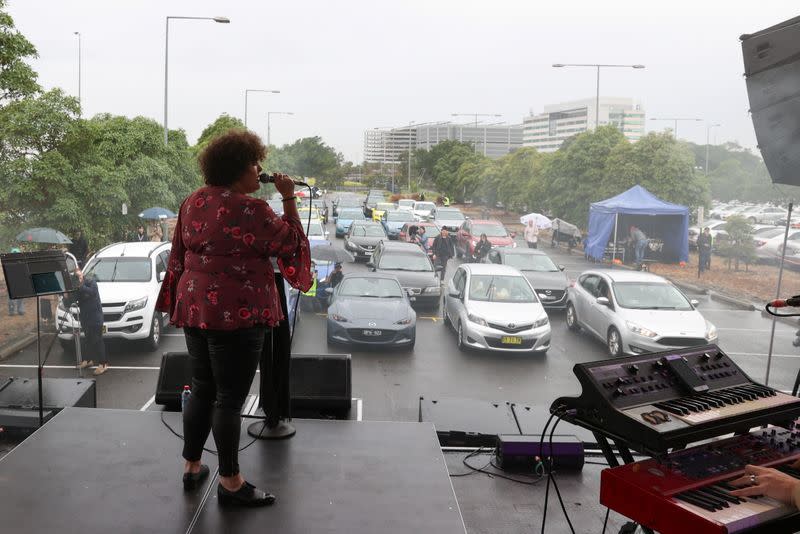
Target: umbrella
541, 220
330, 253
157, 213
43, 235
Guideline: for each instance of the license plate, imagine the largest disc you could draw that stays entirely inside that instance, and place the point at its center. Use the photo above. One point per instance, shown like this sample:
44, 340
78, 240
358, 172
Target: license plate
511, 340
373, 332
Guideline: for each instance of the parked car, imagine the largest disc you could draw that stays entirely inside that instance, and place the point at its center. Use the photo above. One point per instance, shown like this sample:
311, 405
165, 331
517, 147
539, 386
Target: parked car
381, 208
393, 221
635, 312
129, 277
765, 214
406, 204
412, 267
547, 278
315, 231
371, 309
322, 209
494, 307
470, 233
346, 218
423, 210
371, 201
715, 228
450, 218
362, 238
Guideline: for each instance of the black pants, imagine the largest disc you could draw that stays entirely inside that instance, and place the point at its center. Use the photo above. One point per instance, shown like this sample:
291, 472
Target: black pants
95, 346
223, 366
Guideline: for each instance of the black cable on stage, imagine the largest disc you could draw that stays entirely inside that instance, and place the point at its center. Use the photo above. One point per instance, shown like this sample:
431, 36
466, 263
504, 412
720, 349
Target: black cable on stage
768, 307
552, 475
605, 523
483, 470
542, 456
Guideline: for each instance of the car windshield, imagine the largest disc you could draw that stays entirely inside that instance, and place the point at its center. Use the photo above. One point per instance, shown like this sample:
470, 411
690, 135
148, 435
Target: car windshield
384, 206
405, 202
371, 287
372, 230
405, 262
314, 230
399, 216
351, 215
491, 288
491, 230
450, 215
530, 262
650, 296
767, 233
120, 270
425, 206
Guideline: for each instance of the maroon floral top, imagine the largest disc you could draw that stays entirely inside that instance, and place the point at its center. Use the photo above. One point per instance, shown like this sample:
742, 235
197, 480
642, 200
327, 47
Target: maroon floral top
219, 275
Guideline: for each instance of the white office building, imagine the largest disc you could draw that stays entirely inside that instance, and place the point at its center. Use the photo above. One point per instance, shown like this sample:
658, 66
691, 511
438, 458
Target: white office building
491, 140
548, 130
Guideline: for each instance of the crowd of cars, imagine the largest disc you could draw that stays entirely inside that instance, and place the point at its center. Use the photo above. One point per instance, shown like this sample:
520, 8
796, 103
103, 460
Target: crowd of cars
499, 302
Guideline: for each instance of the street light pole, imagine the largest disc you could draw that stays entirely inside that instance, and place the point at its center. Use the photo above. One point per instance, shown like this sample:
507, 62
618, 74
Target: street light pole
269, 114
221, 20
597, 91
79, 70
675, 120
246, 92
708, 130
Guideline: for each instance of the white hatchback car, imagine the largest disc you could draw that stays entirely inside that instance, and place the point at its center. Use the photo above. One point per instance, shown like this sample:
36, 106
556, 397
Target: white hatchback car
494, 307
129, 277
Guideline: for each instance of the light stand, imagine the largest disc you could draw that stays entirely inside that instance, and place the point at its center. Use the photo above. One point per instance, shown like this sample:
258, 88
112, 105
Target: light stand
274, 392
778, 294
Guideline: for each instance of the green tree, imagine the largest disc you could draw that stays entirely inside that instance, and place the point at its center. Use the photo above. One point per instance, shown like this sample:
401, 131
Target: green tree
308, 157
223, 124
17, 78
738, 245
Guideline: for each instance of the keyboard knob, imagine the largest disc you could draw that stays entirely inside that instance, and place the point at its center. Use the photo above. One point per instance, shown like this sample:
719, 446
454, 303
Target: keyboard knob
633, 369
705, 357
619, 393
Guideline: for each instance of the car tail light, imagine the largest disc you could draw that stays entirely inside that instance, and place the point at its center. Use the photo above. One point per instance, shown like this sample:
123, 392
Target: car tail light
759, 243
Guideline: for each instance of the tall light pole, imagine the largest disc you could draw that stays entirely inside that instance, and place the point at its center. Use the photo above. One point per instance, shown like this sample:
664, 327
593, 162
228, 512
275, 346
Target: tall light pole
221, 20
675, 120
597, 66
79, 70
708, 131
270, 114
248, 91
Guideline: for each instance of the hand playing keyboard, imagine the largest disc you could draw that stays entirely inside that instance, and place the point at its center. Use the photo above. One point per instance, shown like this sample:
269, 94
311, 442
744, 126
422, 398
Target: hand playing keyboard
770, 482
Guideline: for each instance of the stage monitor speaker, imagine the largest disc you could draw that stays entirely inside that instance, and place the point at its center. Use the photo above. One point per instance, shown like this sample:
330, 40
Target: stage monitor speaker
772, 71
321, 382
173, 375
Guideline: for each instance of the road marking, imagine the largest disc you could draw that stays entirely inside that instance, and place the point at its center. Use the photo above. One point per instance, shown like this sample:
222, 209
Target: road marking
173, 335
359, 403
117, 367
757, 330
148, 404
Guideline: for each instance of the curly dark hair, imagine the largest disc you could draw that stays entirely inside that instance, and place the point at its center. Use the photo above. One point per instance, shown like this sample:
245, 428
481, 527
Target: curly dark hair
225, 158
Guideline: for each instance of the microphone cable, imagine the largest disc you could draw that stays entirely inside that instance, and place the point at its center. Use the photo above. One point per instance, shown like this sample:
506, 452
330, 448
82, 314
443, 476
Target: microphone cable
782, 303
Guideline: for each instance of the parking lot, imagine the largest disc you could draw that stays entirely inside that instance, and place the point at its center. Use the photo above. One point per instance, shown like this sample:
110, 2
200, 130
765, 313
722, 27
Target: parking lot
390, 382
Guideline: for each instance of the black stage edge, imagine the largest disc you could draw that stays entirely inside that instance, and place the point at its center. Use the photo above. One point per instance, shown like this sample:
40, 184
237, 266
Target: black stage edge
98, 471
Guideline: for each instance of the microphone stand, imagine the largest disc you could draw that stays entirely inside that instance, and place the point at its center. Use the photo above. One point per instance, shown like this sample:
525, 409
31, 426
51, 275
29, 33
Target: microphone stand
778, 295
275, 365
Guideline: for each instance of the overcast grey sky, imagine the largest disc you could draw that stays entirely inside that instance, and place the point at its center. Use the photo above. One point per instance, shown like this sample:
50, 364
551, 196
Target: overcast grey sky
343, 66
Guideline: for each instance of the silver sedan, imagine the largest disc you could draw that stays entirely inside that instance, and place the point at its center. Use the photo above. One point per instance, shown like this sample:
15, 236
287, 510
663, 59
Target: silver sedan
494, 307
635, 313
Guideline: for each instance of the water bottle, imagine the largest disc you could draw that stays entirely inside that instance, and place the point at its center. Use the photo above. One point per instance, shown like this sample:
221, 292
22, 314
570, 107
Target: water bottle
185, 394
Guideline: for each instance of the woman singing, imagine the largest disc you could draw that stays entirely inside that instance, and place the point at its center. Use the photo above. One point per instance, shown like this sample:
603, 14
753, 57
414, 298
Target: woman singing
221, 290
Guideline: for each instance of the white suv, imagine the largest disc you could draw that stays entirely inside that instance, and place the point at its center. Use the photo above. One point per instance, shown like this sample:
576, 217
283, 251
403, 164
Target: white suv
129, 278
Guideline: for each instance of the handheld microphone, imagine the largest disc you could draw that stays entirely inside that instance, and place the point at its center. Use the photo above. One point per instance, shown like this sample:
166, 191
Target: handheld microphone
793, 302
265, 178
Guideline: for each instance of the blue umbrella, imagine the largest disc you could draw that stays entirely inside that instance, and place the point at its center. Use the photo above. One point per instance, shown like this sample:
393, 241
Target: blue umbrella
157, 213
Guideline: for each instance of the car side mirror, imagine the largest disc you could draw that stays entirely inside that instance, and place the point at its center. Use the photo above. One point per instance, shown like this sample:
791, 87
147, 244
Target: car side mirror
694, 302
603, 301
561, 267
162, 275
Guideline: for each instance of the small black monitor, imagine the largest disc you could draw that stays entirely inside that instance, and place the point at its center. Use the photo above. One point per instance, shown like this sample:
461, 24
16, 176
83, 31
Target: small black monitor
32, 274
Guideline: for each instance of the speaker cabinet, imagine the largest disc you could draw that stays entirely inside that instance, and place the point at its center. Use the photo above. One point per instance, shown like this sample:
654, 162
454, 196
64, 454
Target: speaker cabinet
321, 382
772, 71
175, 373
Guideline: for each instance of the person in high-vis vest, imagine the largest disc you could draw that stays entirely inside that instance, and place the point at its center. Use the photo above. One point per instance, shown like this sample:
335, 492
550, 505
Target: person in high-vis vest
309, 299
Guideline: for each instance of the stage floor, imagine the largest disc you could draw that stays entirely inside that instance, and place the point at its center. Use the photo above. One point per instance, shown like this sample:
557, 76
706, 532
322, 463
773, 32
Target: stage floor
98, 471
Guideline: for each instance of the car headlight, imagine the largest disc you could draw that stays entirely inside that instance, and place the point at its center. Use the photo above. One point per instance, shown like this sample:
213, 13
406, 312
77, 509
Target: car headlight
351, 246
433, 290
477, 320
642, 331
134, 305
711, 331
407, 320
541, 322
338, 318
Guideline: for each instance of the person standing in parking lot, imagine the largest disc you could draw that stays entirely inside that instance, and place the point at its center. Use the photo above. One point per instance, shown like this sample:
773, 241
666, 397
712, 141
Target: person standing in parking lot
443, 250
220, 288
531, 234
421, 239
91, 317
704, 245
483, 248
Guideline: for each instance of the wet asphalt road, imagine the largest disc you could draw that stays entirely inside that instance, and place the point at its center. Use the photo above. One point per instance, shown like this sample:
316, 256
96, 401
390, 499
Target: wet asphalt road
391, 382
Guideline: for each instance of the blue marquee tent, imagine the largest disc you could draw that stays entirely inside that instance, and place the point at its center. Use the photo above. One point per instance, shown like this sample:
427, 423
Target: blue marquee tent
638, 206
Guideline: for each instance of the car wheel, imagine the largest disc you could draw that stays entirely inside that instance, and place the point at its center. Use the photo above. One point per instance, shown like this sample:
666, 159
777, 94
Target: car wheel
572, 318
154, 339
461, 346
614, 342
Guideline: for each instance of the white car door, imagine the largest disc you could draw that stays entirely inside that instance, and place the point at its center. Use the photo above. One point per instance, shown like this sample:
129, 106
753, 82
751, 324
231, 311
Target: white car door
584, 298
454, 303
